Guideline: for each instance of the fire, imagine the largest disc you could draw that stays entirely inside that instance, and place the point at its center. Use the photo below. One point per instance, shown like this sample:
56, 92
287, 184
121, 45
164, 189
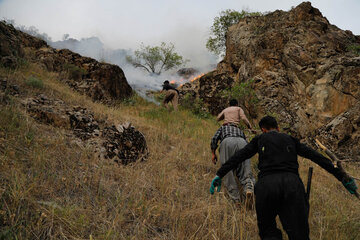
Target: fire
197, 77
182, 81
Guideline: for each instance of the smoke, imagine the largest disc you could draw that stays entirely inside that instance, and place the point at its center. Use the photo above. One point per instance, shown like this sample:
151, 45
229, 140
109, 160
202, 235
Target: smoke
140, 80
109, 30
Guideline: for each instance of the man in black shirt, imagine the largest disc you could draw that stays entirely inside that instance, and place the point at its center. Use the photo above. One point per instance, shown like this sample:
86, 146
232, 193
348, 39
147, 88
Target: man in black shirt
171, 95
279, 190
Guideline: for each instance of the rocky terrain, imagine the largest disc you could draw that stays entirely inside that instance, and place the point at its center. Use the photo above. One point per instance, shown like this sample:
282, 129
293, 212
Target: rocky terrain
305, 71
101, 81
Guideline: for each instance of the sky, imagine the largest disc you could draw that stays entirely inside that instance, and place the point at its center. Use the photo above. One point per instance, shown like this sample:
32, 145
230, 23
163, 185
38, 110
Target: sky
128, 23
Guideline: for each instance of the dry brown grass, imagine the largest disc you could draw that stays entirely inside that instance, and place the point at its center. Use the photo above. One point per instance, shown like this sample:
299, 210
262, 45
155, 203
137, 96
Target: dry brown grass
51, 188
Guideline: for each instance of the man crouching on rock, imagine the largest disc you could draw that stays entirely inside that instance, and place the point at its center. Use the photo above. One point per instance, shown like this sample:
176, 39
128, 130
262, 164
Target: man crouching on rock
171, 95
279, 189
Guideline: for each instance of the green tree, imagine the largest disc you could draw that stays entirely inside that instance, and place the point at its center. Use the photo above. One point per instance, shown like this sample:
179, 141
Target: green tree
217, 39
156, 59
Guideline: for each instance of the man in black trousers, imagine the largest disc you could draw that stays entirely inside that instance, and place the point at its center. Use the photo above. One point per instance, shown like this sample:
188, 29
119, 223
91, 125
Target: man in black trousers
279, 190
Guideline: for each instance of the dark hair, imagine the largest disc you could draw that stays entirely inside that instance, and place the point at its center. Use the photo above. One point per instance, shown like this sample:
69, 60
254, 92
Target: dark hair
166, 82
268, 122
233, 102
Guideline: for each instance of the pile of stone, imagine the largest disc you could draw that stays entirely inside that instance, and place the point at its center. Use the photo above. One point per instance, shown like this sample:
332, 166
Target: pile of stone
10, 89
48, 111
121, 143
83, 123
124, 144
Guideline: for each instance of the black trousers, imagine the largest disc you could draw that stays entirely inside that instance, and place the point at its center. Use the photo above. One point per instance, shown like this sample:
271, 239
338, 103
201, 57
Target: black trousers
282, 194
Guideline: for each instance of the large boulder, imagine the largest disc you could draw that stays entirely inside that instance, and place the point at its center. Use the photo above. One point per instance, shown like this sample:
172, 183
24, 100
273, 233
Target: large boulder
303, 69
300, 63
101, 81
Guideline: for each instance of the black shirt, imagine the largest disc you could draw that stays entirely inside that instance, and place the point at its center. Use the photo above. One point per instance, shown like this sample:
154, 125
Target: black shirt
277, 153
168, 87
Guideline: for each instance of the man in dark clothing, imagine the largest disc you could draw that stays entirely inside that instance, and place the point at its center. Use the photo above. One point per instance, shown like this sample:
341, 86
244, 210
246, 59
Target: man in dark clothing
279, 190
171, 95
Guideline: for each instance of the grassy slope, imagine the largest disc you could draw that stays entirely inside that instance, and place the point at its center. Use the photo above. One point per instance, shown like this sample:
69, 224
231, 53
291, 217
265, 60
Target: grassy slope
50, 188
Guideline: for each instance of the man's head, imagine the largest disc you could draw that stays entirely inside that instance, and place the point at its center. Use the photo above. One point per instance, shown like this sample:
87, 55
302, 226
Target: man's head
268, 123
166, 82
233, 102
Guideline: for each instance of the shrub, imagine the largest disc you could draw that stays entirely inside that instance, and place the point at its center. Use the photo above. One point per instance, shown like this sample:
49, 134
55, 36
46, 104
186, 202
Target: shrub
195, 105
34, 82
245, 95
74, 72
355, 48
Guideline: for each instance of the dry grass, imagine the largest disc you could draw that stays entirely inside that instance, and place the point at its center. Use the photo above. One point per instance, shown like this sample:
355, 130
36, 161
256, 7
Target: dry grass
51, 188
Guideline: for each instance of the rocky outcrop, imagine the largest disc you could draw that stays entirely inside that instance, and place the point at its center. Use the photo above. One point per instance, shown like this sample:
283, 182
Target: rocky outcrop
207, 88
304, 70
121, 143
101, 81
342, 134
187, 72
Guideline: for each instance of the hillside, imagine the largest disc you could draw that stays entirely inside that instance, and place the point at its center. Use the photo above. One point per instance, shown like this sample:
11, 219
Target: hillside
55, 185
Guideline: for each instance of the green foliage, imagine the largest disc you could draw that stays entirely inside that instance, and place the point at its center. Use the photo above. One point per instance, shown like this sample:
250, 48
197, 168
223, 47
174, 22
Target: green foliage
195, 105
34, 82
156, 59
241, 91
135, 99
217, 39
74, 71
355, 48
156, 113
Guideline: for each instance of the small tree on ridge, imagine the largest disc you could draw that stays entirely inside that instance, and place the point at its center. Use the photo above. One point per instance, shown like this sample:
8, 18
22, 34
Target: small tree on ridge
156, 59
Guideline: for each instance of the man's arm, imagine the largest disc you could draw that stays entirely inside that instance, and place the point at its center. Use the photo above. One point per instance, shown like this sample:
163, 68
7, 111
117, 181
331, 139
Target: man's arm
220, 116
213, 145
247, 152
319, 159
244, 118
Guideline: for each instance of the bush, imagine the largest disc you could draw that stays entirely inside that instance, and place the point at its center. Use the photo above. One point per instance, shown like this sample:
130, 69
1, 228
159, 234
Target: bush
195, 105
74, 72
245, 95
355, 48
34, 82
241, 91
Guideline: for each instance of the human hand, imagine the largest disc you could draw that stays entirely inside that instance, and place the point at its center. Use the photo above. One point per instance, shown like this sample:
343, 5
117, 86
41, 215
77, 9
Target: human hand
253, 131
216, 182
214, 158
350, 185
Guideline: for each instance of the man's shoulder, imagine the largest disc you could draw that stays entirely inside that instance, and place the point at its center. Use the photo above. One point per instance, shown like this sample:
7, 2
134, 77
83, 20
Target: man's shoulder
232, 108
279, 135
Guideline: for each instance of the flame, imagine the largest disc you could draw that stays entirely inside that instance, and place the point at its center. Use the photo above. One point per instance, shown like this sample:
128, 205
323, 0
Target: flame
182, 81
197, 77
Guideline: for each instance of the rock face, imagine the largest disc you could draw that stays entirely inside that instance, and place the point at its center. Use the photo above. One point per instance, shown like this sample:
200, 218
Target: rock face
207, 88
305, 71
101, 81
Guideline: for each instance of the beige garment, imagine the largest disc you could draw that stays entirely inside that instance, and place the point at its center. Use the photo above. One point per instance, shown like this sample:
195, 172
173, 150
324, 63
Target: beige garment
232, 114
171, 96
